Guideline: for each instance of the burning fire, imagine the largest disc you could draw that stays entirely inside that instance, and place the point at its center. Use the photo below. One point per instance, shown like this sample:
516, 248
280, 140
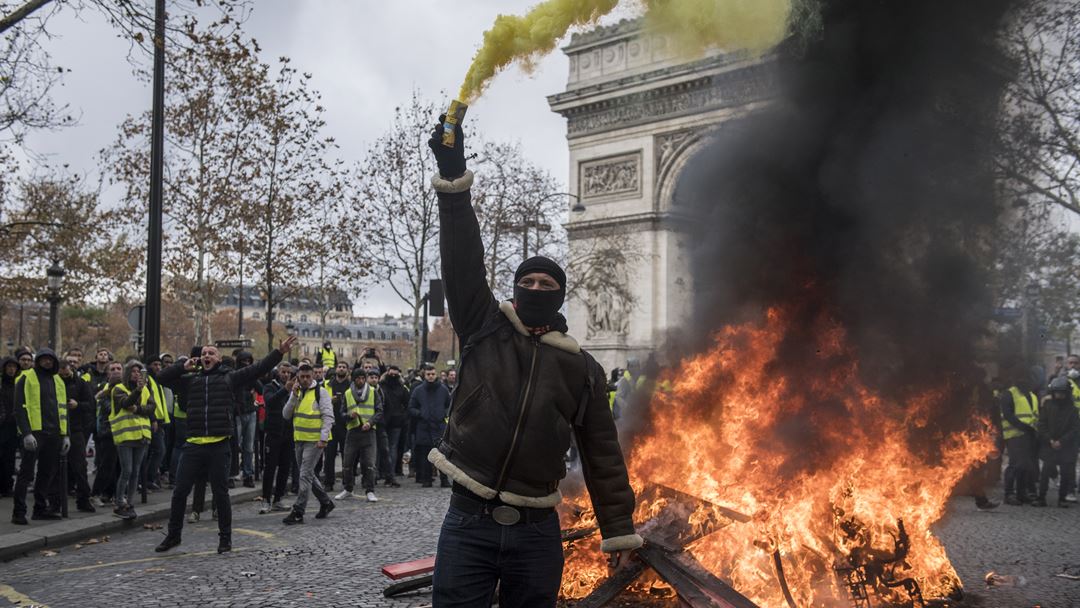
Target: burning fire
825, 466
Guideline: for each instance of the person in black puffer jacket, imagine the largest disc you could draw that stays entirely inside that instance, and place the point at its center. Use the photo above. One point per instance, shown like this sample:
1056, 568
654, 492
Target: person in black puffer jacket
210, 406
524, 389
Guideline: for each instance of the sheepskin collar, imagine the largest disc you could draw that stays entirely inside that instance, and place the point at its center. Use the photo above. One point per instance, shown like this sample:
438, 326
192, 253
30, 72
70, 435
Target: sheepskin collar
555, 339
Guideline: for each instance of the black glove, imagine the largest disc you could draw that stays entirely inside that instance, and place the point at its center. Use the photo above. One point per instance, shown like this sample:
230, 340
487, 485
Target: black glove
451, 161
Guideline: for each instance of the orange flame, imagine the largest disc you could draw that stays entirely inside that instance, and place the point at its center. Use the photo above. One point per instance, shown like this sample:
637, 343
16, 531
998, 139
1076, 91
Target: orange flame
731, 429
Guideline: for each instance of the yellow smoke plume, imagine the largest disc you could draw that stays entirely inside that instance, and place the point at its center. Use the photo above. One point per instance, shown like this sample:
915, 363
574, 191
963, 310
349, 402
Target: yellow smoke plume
525, 38
694, 25
698, 25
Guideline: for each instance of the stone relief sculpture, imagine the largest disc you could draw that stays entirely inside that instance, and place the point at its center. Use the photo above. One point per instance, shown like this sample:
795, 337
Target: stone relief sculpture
608, 308
617, 176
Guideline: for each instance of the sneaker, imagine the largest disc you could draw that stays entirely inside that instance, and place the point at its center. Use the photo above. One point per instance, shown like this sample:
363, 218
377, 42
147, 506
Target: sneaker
120, 511
85, 507
224, 546
342, 495
168, 543
97, 502
19, 520
983, 503
324, 510
1070, 497
371, 497
294, 517
193, 517
129, 513
1012, 500
153, 487
266, 508
277, 507
249, 482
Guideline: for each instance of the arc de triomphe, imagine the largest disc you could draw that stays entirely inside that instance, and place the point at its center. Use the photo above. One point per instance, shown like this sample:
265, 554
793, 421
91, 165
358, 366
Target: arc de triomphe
636, 113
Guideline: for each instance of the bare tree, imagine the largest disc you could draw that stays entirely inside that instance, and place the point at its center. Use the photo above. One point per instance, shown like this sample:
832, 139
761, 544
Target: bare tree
55, 217
296, 186
1040, 153
212, 120
395, 196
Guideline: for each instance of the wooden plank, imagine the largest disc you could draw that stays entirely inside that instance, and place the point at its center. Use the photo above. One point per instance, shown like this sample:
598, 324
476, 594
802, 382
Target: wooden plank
406, 569
695, 585
612, 586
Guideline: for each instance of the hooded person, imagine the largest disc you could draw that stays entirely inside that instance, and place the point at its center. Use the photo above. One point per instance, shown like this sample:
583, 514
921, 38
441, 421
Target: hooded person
1059, 435
525, 389
41, 415
395, 420
9, 431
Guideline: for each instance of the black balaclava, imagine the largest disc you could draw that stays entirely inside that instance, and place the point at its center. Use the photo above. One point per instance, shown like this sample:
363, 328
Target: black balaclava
537, 308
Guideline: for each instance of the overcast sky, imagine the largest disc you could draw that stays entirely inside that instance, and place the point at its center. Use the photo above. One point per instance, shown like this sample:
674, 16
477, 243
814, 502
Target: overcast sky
366, 58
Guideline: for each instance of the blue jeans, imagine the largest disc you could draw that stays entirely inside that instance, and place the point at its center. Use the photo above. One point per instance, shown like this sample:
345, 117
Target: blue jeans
475, 552
245, 432
131, 458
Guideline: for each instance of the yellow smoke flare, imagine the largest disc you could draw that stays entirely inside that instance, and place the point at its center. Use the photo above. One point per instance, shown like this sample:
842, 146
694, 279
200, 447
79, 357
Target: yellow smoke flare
527, 37
693, 25
698, 25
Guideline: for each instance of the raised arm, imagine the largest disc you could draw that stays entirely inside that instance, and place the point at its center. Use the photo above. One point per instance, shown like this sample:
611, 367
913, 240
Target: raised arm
464, 278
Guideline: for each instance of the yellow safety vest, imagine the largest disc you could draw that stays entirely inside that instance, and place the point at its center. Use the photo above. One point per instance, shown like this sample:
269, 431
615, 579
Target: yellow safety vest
125, 425
307, 421
1027, 411
366, 409
329, 357
1076, 393
611, 400
161, 409
32, 400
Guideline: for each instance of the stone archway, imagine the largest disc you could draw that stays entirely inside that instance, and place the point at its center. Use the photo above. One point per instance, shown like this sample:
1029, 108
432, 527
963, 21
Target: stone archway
636, 115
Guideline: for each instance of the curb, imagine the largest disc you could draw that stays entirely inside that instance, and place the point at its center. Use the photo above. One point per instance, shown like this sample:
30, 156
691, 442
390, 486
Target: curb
18, 544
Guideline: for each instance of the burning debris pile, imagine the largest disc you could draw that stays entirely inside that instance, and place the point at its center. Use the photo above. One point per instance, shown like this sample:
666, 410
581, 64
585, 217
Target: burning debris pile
843, 282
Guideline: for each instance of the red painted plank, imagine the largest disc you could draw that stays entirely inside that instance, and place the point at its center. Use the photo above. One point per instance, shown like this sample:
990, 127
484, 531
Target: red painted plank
405, 569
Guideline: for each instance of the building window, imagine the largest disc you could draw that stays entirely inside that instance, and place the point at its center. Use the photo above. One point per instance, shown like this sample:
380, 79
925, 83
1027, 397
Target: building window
370, 335
255, 315
304, 333
306, 351
382, 335
288, 318
303, 318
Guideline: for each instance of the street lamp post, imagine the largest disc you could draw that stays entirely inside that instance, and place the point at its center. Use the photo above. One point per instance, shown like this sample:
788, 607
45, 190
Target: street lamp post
55, 279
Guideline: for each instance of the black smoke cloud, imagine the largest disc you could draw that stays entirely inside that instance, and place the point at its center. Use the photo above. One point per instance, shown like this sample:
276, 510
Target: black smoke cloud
864, 191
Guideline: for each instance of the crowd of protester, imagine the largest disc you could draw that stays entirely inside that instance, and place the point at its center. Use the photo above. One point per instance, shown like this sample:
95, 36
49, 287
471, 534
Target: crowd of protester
104, 431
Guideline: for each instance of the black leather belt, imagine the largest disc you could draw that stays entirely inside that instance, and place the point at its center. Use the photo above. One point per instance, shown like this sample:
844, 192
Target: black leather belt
501, 512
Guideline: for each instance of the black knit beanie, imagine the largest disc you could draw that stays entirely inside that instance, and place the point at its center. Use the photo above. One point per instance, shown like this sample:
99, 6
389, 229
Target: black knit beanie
545, 265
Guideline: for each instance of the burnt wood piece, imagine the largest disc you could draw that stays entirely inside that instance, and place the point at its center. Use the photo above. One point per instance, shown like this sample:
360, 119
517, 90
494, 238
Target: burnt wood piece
613, 586
695, 585
578, 533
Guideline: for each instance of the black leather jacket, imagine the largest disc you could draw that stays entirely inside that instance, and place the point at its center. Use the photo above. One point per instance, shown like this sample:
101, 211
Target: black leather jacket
518, 396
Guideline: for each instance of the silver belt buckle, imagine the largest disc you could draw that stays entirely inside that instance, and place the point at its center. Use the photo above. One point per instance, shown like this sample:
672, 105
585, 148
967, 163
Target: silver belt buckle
506, 515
